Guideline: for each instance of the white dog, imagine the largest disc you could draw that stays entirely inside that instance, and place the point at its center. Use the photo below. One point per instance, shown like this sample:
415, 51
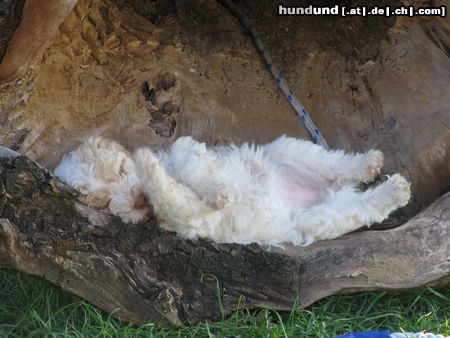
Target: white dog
289, 190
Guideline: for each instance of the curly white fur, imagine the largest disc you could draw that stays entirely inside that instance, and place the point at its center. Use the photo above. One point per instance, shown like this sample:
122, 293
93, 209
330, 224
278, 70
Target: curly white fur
288, 190
104, 173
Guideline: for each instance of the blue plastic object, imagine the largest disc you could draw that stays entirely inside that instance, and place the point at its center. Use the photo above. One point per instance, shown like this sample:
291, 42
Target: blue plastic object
368, 334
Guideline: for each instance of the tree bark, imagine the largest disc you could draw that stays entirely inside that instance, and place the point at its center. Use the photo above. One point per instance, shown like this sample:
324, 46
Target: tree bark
150, 274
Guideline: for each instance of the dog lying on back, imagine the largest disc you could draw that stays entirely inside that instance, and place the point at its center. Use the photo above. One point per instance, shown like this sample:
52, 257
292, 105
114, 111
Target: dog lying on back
288, 190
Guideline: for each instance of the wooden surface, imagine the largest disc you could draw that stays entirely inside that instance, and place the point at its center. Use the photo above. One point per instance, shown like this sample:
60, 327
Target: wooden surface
39, 22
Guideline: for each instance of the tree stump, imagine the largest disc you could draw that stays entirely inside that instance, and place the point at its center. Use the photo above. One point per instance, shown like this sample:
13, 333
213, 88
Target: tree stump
145, 73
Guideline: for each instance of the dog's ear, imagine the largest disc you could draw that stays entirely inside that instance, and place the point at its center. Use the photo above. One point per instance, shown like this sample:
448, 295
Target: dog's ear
141, 201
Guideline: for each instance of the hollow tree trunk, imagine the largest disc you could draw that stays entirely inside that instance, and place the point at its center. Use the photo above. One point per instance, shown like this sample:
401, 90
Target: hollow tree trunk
153, 275
145, 73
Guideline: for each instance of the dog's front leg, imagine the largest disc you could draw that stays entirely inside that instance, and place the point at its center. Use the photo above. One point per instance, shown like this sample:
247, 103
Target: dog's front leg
174, 203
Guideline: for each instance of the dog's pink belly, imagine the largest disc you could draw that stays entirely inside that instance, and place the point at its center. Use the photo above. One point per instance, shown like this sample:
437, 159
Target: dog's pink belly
303, 188
303, 197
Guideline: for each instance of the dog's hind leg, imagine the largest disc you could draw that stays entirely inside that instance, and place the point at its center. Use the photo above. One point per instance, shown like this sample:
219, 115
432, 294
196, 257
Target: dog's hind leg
349, 210
174, 203
334, 165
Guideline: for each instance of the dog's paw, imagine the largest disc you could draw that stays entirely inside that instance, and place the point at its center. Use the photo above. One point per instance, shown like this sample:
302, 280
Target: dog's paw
373, 162
399, 189
148, 166
146, 161
145, 157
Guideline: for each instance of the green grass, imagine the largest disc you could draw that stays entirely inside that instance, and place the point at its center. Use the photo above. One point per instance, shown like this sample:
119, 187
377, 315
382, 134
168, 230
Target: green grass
31, 307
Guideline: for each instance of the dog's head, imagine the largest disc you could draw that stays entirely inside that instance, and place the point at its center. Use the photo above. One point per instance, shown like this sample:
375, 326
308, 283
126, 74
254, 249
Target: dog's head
105, 175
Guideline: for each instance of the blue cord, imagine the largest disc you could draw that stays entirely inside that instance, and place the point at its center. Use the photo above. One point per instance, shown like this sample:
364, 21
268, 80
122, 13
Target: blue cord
301, 111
